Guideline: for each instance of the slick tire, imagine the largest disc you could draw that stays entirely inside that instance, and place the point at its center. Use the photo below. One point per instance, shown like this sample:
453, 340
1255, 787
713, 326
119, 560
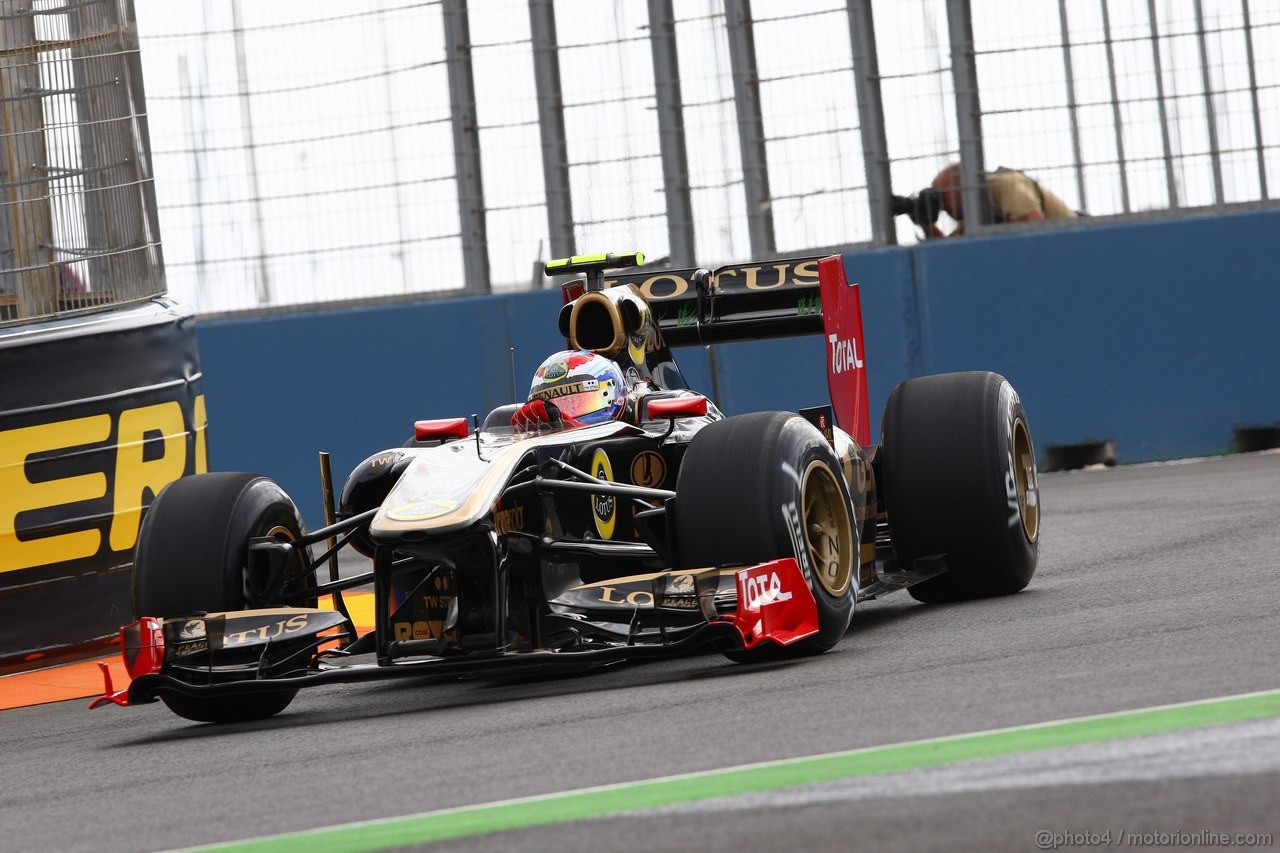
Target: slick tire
740, 482
958, 477
192, 556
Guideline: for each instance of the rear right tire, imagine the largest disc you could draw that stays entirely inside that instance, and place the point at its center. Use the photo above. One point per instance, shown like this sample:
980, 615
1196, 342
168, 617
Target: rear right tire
959, 479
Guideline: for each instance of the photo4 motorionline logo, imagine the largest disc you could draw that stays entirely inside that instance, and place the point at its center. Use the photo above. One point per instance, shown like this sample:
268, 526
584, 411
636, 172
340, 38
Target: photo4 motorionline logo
1046, 840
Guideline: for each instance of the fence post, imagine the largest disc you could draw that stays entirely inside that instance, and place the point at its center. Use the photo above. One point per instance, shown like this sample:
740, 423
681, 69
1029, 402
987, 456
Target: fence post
746, 99
1171, 180
466, 147
95, 226
26, 187
1115, 107
1068, 67
1253, 96
875, 150
681, 236
136, 91
251, 155
964, 75
1210, 115
555, 149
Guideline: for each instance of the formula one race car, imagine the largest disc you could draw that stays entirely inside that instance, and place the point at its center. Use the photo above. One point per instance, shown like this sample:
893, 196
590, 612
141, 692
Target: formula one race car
566, 542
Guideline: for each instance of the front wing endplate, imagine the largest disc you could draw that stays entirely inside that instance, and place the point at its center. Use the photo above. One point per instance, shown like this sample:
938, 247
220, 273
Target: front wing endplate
775, 604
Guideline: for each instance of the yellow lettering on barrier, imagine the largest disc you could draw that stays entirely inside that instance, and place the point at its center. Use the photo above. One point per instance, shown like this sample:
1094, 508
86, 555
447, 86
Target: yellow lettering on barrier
198, 426
18, 494
134, 474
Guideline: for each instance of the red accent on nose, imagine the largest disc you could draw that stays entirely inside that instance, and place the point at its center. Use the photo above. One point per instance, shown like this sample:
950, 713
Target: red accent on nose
443, 428
143, 643
677, 407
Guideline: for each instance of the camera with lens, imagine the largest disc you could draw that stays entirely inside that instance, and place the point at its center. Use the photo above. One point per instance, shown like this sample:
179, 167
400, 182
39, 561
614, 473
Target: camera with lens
921, 208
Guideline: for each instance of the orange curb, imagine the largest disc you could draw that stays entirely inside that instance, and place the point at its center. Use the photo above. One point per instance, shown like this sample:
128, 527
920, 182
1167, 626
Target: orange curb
83, 679
59, 683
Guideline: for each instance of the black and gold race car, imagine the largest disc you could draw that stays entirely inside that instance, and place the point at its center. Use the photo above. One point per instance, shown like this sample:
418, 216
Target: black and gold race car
674, 527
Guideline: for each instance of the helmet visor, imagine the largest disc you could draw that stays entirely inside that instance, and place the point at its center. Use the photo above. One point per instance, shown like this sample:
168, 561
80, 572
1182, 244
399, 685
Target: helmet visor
581, 398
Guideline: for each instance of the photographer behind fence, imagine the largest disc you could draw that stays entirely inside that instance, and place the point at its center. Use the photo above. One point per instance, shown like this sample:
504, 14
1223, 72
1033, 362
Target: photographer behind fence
1011, 196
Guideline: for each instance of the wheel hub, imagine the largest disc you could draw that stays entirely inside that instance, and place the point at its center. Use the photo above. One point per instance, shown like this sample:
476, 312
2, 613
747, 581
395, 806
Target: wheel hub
829, 528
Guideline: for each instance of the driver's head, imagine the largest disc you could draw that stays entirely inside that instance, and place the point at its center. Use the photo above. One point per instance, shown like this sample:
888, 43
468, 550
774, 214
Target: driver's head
584, 386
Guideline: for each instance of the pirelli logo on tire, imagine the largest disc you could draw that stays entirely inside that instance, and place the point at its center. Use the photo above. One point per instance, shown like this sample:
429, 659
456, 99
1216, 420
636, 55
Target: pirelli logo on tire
795, 530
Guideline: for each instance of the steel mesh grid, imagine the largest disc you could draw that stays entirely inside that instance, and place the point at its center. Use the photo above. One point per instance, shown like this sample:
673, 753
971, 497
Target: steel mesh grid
328, 176
1132, 107
78, 225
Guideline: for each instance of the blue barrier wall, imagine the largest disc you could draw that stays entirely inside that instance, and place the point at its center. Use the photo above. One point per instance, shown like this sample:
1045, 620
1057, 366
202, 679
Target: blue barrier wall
1158, 335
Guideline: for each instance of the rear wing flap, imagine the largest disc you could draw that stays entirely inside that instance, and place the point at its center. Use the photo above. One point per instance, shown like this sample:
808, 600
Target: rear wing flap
769, 299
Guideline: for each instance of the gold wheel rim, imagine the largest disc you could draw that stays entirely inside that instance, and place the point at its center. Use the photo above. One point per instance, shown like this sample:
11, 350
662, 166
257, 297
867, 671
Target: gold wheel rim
828, 529
1024, 480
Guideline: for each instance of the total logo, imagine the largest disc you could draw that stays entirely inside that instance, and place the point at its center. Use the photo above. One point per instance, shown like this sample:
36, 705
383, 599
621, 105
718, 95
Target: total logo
764, 588
844, 354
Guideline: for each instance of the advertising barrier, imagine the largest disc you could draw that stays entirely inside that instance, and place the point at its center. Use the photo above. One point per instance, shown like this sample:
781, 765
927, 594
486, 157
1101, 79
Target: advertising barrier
97, 414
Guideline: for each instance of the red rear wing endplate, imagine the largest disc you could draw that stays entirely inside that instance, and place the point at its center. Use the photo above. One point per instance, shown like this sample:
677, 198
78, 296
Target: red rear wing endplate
842, 328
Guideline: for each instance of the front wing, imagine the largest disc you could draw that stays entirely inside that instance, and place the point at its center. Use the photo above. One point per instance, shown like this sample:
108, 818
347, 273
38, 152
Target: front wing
260, 651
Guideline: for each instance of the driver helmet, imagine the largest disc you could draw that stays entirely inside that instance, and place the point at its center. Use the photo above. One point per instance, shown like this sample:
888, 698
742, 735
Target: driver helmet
583, 385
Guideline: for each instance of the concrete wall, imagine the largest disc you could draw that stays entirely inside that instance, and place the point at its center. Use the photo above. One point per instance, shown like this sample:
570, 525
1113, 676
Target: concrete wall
1158, 335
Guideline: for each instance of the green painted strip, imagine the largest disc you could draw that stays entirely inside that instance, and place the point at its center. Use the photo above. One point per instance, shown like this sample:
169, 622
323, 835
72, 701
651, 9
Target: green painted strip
614, 799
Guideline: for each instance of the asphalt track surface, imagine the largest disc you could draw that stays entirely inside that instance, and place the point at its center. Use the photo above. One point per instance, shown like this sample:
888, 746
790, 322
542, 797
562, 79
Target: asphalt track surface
1157, 585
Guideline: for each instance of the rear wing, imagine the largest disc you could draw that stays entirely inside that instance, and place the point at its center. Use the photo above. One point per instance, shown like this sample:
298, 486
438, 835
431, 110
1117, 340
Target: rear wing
759, 300
737, 302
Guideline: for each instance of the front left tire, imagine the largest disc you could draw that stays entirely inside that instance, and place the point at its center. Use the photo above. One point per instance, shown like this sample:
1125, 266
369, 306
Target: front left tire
757, 487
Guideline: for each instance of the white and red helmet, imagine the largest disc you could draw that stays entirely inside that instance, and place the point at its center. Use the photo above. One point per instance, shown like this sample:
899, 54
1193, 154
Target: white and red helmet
583, 385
